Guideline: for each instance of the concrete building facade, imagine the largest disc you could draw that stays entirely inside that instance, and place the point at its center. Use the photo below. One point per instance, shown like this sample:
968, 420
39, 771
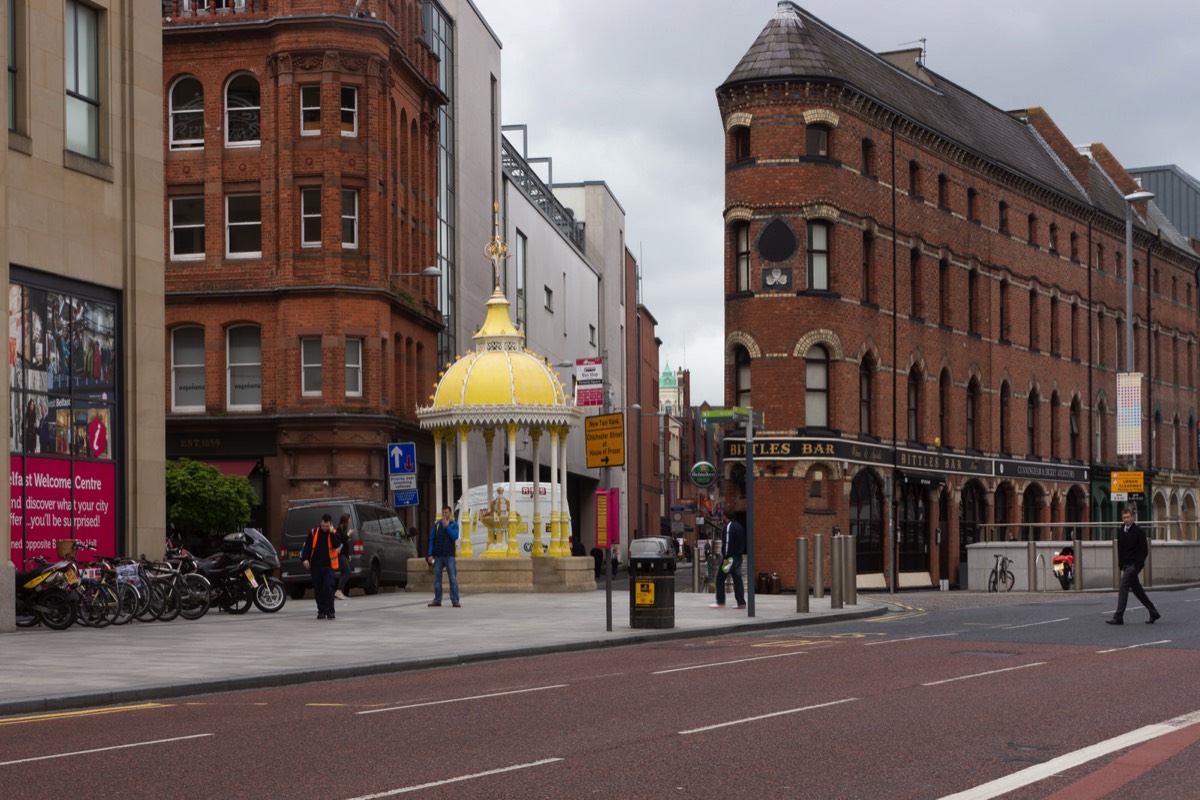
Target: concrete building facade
80, 245
925, 295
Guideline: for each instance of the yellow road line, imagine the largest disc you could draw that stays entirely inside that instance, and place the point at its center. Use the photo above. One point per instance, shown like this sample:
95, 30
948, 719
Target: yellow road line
86, 713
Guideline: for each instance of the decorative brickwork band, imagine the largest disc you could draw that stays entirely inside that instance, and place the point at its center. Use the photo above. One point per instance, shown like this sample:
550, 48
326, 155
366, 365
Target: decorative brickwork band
820, 116
739, 119
819, 336
745, 340
820, 211
738, 214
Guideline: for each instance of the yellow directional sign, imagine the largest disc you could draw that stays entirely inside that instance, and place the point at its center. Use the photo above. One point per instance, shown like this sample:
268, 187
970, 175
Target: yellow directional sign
1127, 482
605, 435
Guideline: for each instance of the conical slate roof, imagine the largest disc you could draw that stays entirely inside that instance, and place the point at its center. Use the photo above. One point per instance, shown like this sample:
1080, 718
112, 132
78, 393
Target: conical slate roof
785, 48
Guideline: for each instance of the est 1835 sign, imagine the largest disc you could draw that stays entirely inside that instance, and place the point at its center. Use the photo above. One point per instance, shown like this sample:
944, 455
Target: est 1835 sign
703, 474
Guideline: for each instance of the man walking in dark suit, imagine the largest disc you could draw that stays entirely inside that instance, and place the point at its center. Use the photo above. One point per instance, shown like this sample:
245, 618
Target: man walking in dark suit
1132, 550
733, 547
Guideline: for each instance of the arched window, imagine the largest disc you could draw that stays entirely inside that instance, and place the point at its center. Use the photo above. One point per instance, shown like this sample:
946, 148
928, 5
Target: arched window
866, 520
816, 138
914, 179
187, 114
741, 376
1031, 512
1073, 452
1005, 402
945, 386
1003, 217
972, 412
944, 293
187, 369
914, 282
868, 265
972, 202
741, 255
1176, 444
1031, 420
1004, 329
914, 405
868, 158
1002, 513
1055, 444
866, 371
243, 373
816, 388
1101, 438
740, 142
242, 111
818, 256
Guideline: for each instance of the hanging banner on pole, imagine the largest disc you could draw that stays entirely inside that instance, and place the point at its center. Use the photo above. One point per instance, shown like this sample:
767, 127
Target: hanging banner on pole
1129, 413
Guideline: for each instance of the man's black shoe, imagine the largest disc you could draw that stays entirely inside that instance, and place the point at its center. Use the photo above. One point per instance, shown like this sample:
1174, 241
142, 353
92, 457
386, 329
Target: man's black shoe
1154, 617
320, 616
1115, 621
331, 616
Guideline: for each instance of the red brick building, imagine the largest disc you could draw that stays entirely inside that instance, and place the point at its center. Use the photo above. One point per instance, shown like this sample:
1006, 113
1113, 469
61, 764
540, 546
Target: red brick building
925, 296
300, 209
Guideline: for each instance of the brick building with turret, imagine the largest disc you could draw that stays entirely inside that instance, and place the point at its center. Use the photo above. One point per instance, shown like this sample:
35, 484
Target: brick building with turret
926, 298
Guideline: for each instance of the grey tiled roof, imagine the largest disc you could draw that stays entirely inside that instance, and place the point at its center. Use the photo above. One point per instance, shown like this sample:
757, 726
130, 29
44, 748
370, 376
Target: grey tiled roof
797, 45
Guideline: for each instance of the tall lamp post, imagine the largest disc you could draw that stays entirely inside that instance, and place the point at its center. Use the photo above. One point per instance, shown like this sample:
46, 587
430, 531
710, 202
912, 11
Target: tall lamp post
1130, 367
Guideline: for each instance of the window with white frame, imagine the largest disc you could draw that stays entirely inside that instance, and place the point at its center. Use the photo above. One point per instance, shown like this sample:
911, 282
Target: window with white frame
244, 368
818, 256
310, 366
187, 114
310, 109
187, 228
310, 217
349, 111
243, 225
349, 218
187, 369
242, 111
816, 387
82, 73
354, 371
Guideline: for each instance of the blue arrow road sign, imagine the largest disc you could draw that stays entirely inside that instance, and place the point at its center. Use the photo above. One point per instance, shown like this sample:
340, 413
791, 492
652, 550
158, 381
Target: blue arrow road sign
402, 473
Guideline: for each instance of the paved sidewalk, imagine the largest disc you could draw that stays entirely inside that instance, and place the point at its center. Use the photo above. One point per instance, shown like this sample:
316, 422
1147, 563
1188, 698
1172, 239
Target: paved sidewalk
47, 670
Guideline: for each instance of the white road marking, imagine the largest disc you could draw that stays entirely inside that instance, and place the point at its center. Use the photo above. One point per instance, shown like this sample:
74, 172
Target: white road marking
983, 674
105, 749
1067, 761
464, 699
459, 779
910, 639
727, 663
766, 716
1135, 646
1034, 624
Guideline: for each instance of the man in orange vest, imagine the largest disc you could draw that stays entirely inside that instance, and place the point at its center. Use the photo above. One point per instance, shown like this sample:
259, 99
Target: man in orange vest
320, 557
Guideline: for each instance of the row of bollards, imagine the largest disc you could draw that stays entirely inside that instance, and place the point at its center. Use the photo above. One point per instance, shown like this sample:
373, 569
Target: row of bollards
843, 571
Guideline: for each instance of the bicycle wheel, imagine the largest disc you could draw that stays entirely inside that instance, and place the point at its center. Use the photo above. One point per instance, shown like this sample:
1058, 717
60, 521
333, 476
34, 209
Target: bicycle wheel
195, 595
1008, 580
992, 580
129, 601
169, 609
97, 605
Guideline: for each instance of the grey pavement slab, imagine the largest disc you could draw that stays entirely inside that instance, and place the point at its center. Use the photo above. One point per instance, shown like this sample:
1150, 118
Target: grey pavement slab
43, 670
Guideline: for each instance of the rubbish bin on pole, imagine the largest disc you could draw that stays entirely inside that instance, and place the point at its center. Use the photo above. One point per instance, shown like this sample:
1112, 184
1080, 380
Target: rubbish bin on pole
652, 582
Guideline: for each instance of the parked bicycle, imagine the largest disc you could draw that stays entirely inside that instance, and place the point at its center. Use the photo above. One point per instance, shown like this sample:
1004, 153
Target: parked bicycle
1002, 578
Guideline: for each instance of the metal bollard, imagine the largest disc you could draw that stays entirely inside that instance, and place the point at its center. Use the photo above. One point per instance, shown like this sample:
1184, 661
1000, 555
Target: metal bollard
696, 570
819, 566
801, 575
1116, 575
1031, 566
835, 573
1077, 547
851, 558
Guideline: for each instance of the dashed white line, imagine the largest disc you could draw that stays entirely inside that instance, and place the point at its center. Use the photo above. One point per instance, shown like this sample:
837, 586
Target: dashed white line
766, 716
1034, 624
983, 674
459, 779
105, 749
1134, 646
727, 663
463, 699
1054, 766
910, 639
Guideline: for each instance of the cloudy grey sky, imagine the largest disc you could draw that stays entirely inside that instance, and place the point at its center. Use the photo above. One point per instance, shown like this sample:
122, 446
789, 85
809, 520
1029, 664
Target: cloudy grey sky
624, 91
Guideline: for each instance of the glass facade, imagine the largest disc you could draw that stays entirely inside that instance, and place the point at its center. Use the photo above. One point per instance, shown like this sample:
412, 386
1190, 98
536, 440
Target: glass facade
439, 35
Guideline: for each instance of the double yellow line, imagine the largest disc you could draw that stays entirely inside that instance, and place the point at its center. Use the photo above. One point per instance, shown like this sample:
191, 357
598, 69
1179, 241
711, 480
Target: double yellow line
90, 712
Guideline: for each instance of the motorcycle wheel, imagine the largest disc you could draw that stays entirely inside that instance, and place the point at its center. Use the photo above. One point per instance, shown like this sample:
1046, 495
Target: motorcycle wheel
270, 595
56, 611
27, 616
236, 599
195, 596
1065, 580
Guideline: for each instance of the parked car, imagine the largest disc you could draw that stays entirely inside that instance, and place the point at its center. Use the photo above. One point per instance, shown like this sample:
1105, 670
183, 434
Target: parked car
380, 547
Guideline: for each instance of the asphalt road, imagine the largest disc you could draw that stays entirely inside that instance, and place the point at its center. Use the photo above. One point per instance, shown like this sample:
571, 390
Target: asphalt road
950, 694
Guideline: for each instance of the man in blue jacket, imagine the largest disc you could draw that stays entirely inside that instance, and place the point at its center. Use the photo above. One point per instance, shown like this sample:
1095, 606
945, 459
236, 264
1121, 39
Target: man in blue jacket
442, 542
733, 547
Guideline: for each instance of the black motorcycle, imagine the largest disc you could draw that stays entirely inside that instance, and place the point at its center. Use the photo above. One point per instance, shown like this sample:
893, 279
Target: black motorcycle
241, 574
44, 595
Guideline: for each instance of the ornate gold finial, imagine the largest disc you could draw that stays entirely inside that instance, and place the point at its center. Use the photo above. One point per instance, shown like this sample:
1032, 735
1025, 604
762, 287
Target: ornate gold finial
497, 249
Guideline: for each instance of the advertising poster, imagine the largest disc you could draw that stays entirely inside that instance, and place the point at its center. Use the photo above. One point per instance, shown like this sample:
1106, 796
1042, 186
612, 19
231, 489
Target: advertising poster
63, 469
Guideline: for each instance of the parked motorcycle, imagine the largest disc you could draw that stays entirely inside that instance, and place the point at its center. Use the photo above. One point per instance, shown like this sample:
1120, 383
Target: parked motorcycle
40, 599
1064, 566
241, 574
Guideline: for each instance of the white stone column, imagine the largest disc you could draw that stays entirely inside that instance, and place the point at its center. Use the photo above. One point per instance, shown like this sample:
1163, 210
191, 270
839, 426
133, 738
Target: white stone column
464, 515
554, 498
512, 551
439, 441
539, 549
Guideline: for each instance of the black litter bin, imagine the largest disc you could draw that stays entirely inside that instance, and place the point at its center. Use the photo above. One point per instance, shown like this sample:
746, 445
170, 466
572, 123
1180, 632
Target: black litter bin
652, 582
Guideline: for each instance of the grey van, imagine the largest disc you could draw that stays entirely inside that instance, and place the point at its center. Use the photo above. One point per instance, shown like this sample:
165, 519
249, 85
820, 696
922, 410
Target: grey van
380, 547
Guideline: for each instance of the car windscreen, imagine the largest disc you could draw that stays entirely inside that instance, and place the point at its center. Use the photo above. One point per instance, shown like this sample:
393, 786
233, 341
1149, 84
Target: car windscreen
300, 521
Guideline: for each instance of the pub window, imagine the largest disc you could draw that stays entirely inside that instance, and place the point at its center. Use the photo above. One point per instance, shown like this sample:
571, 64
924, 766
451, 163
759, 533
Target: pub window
816, 388
972, 411
914, 405
865, 379
741, 376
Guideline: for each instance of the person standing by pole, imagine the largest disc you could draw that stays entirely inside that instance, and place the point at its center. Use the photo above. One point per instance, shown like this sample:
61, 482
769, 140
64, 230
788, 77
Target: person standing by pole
1132, 550
442, 543
733, 547
320, 557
